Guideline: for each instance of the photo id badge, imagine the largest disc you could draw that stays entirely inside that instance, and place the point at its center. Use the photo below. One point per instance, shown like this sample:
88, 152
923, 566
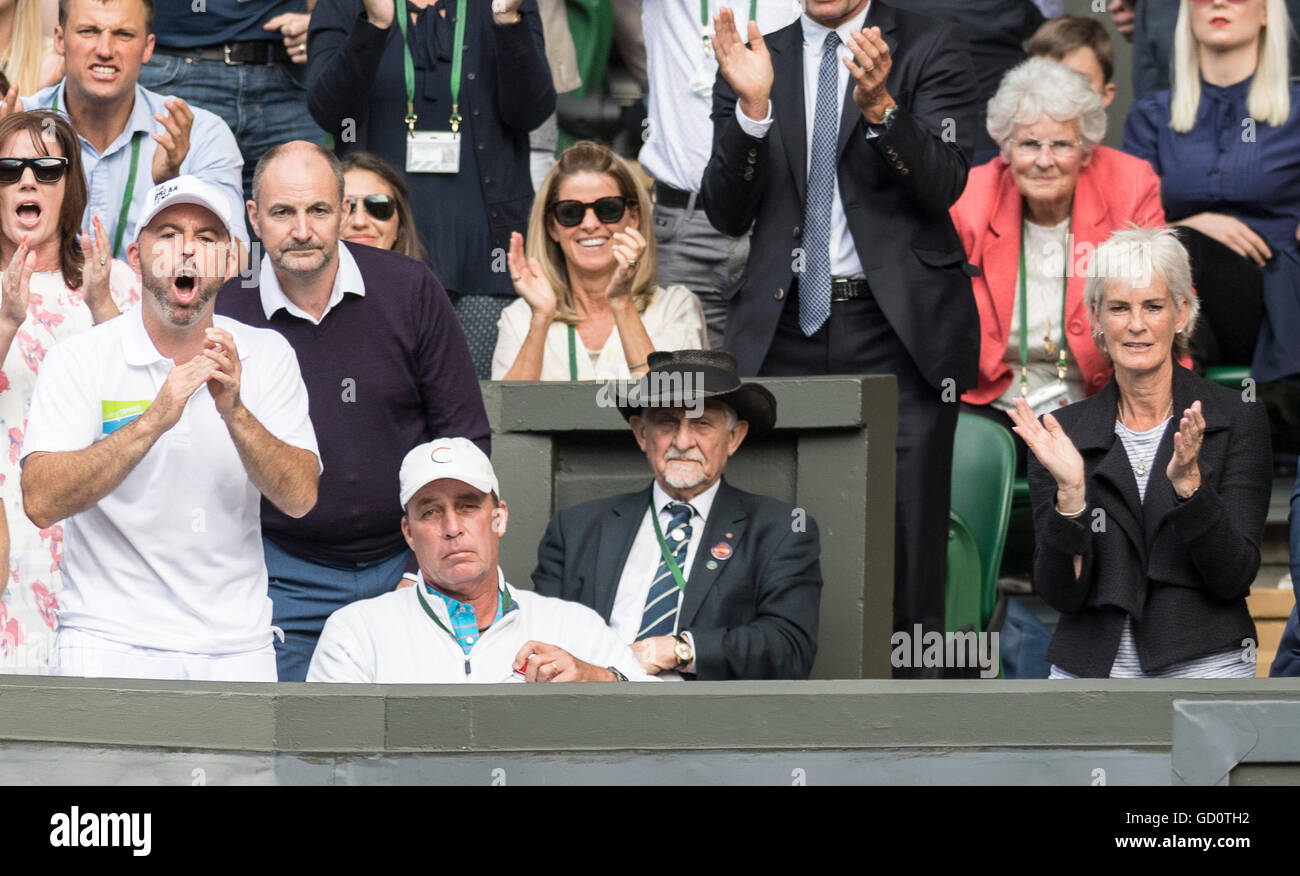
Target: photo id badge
1049, 398
433, 152
705, 74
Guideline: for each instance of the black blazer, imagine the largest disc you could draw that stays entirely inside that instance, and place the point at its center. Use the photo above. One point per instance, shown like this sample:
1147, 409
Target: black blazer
1179, 569
896, 191
755, 616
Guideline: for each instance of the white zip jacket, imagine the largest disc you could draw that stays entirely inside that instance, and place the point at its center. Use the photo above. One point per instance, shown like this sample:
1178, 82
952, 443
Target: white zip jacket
393, 639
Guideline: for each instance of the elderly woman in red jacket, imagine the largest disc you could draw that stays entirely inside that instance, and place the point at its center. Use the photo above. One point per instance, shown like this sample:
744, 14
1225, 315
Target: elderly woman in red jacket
1030, 220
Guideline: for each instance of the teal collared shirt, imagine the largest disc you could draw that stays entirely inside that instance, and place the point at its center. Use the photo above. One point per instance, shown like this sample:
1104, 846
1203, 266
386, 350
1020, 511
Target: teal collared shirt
464, 621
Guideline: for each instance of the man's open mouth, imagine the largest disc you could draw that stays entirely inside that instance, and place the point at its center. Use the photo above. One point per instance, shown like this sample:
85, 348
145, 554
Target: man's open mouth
184, 286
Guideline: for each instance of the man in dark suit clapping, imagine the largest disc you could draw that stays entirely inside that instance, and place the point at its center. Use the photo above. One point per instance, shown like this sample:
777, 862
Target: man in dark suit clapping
703, 579
840, 142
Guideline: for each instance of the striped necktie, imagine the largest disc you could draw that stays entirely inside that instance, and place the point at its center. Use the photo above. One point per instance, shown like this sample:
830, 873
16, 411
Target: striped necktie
661, 603
815, 282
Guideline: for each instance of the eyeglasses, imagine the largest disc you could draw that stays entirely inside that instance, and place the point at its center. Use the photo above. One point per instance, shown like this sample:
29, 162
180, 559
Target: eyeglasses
379, 207
1208, 2
1059, 148
46, 169
571, 213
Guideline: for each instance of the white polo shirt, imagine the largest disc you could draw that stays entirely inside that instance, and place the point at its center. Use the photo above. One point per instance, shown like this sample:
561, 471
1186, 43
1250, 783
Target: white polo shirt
171, 558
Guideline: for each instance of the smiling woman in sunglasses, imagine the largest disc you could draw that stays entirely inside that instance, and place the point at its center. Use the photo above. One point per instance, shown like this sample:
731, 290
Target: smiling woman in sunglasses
55, 282
377, 209
589, 308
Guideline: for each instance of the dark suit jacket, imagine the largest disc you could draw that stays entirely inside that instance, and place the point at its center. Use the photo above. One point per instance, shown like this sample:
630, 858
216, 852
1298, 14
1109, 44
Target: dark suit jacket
755, 616
1180, 570
896, 190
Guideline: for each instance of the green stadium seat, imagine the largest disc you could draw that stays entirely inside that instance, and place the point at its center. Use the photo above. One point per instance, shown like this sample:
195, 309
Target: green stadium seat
983, 472
962, 596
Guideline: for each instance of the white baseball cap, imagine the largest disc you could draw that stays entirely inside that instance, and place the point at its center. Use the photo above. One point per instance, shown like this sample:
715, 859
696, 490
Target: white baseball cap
446, 459
186, 189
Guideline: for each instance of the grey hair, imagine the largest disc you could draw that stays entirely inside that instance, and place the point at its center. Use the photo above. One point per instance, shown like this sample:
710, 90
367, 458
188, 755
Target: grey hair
1041, 87
1132, 256
280, 149
732, 416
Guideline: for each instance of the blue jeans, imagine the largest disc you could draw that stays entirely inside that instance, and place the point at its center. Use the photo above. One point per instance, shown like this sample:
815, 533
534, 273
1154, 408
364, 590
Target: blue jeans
264, 104
306, 592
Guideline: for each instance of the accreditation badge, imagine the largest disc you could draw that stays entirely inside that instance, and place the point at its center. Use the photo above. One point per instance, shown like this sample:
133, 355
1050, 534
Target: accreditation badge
433, 152
706, 72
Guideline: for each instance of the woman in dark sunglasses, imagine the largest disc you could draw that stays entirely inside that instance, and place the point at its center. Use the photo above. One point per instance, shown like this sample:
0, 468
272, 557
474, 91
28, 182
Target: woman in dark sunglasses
56, 281
588, 305
377, 209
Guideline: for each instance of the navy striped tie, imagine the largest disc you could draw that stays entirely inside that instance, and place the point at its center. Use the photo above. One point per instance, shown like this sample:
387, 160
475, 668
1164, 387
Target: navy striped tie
815, 282
660, 615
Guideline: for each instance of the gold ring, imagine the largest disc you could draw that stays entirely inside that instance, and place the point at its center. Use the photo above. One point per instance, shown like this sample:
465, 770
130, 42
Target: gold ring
555, 669
516, 277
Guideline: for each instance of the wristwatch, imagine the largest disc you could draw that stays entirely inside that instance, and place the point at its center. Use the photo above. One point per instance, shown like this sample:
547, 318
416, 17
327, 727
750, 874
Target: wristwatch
683, 651
885, 122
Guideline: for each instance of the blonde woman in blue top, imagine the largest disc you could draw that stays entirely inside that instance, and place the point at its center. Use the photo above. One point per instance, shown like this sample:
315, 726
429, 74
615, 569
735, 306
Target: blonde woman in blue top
1225, 141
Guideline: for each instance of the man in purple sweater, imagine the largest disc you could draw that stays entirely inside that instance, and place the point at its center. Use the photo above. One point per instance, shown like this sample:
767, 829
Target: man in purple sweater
386, 367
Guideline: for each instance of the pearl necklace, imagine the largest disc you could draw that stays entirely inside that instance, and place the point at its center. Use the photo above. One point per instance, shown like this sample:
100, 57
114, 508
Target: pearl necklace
1140, 467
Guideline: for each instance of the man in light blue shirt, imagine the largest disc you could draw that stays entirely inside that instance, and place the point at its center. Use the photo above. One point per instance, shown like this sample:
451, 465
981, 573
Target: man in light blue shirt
131, 138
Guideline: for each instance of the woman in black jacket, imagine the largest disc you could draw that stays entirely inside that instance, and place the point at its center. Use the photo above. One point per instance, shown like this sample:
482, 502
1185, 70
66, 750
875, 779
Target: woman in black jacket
1149, 497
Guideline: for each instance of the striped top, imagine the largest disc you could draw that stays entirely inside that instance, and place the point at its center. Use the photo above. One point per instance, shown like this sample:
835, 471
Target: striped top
1141, 448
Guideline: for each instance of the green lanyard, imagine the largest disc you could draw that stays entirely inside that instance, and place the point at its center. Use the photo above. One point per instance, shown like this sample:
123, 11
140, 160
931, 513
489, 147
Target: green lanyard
663, 549
457, 57
573, 354
704, 22
1024, 323
123, 211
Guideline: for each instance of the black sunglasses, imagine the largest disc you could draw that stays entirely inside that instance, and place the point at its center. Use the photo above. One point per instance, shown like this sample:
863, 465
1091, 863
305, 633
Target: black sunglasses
570, 213
47, 169
381, 207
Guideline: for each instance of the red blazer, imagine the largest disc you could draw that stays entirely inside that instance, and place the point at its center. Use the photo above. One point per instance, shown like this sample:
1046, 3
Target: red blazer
1113, 190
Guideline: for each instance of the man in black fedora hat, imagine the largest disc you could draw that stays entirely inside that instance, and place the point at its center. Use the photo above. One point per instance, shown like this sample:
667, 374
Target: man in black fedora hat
705, 580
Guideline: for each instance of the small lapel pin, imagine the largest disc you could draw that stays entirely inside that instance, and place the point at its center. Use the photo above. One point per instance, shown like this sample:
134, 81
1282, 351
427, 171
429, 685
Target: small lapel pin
721, 550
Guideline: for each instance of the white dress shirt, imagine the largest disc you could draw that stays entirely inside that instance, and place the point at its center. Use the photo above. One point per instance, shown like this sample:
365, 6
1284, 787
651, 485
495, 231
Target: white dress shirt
644, 558
679, 133
346, 279
844, 254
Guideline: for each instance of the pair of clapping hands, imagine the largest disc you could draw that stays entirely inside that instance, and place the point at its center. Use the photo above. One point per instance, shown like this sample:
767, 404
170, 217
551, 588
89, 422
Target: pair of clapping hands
1057, 453
748, 70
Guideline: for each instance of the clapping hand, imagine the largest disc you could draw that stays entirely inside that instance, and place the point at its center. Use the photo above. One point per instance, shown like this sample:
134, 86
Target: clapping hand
174, 142
15, 286
1183, 472
96, 267
870, 66
747, 70
628, 246
293, 29
530, 282
11, 103
1054, 449
380, 13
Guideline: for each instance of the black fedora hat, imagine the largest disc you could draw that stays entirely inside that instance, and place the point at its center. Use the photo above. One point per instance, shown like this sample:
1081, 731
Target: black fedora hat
681, 378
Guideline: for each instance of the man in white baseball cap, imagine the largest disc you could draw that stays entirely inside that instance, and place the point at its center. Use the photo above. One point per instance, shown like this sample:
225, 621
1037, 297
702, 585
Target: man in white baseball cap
462, 622
155, 436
